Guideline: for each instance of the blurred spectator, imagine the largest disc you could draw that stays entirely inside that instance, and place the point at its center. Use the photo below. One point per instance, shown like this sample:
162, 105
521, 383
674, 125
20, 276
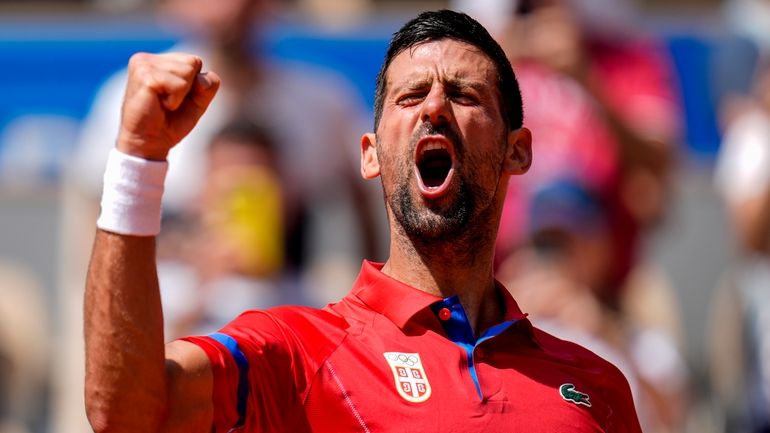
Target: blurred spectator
740, 334
310, 112
557, 276
315, 121
600, 101
626, 91
23, 350
561, 146
239, 250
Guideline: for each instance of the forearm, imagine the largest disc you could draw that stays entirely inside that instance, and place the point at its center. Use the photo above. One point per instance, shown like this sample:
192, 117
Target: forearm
129, 385
125, 361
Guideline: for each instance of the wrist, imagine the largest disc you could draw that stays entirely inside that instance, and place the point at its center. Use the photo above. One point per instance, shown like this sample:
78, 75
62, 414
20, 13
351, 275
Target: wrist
141, 148
131, 199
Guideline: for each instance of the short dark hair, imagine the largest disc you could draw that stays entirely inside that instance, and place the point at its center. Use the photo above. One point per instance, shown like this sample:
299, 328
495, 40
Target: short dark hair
446, 24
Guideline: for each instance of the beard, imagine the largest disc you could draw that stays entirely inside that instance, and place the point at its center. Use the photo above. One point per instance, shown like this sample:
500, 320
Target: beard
433, 222
447, 218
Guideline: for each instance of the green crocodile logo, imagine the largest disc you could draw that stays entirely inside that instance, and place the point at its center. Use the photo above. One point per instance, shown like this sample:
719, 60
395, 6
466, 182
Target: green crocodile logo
569, 393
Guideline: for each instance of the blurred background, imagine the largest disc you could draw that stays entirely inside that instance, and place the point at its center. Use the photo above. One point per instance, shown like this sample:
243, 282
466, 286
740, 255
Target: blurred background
642, 231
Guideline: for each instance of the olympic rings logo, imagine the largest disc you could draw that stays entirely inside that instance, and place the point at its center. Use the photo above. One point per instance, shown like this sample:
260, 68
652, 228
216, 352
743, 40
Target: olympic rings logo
408, 360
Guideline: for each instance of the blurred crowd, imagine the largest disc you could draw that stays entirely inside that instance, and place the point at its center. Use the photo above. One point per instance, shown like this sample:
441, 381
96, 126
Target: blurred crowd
264, 206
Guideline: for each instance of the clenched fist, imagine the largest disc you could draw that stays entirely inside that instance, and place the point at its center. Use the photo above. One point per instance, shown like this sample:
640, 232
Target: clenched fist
165, 96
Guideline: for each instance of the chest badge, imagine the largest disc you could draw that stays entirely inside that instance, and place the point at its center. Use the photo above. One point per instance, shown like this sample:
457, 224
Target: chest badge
411, 381
569, 393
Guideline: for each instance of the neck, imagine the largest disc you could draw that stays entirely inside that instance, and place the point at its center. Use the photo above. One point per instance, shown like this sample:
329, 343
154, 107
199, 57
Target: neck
461, 267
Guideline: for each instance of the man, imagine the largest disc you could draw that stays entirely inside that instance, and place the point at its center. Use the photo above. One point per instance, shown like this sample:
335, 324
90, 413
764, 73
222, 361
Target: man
426, 342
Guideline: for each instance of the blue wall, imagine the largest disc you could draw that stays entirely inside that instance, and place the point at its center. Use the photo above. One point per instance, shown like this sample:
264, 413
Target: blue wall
53, 66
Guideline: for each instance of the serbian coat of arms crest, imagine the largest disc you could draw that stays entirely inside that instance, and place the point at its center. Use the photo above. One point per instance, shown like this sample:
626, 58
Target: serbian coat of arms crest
411, 382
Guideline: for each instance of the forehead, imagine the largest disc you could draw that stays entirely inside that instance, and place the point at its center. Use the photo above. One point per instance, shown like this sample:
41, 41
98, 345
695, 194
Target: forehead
442, 59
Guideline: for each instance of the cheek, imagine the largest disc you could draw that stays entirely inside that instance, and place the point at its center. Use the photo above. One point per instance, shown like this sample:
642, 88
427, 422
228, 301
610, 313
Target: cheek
484, 171
485, 145
393, 165
394, 150
397, 120
479, 125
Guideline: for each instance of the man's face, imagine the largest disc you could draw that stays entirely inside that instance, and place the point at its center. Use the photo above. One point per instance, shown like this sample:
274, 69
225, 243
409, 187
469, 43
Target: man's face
442, 143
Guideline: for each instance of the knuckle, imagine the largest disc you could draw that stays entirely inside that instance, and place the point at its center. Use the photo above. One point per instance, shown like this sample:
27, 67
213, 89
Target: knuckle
138, 59
149, 81
194, 60
140, 67
194, 63
143, 73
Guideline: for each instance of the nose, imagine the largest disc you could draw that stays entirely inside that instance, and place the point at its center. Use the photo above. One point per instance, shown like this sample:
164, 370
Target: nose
436, 108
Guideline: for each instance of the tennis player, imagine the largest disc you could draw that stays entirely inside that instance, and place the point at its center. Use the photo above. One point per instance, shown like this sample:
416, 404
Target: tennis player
427, 341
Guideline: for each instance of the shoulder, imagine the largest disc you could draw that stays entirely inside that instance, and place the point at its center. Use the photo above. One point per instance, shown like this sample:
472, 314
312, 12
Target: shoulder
313, 332
307, 322
594, 373
570, 352
300, 320
607, 377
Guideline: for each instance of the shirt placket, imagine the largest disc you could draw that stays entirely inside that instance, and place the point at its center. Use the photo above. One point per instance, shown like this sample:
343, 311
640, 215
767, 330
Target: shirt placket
454, 321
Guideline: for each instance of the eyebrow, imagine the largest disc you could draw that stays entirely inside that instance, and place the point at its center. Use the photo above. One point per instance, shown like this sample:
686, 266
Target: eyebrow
453, 82
460, 83
412, 84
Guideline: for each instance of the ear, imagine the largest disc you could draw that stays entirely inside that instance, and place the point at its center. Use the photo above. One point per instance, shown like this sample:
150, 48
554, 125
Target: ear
370, 165
518, 156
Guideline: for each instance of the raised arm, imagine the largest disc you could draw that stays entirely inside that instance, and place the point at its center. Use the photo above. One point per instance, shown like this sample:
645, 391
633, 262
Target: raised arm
133, 382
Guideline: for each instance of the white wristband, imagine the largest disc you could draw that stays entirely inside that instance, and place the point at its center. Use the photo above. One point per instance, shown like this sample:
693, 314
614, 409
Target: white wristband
131, 199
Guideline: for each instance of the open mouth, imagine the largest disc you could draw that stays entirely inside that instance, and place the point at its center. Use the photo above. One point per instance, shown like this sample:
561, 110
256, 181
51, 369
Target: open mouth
434, 165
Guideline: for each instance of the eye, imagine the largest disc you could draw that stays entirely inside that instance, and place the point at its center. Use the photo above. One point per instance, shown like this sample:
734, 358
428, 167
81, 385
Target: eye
463, 98
410, 98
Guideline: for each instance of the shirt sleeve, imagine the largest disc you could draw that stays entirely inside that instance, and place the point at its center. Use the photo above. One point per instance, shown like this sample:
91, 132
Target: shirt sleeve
253, 370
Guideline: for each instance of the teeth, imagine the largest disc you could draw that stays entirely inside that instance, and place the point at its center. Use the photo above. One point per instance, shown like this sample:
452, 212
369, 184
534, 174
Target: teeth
433, 146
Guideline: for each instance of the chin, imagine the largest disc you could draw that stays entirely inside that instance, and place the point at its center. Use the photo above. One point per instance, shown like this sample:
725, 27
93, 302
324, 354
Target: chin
442, 219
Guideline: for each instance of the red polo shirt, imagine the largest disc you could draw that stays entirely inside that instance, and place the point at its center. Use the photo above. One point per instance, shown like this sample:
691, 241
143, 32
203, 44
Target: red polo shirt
389, 357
